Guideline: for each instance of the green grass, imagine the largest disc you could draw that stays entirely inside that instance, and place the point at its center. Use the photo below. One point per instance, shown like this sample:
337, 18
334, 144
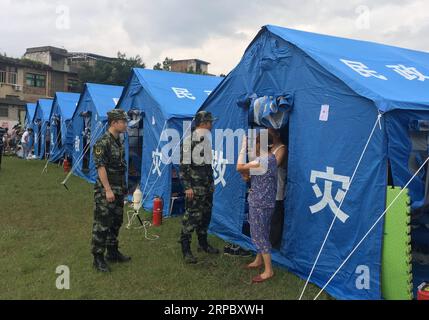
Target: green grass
43, 226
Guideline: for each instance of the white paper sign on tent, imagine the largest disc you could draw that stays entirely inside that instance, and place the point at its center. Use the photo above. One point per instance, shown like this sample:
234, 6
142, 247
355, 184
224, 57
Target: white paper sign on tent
324, 113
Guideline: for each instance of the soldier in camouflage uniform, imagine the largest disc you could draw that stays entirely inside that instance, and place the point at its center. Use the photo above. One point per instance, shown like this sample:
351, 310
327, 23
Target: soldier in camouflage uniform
197, 178
109, 192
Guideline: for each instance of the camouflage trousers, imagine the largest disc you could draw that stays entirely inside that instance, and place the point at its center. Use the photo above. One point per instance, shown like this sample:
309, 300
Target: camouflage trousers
197, 216
108, 219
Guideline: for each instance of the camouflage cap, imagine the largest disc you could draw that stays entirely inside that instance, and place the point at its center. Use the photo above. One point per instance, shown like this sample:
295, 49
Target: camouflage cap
117, 114
204, 116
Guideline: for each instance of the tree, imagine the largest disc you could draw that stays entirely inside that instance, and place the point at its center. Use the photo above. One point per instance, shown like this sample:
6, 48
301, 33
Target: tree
158, 66
114, 72
165, 65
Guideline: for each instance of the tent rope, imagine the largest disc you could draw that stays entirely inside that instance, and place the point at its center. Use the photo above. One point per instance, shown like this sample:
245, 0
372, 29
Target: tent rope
151, 167
372, 227
84, 151
45, 169
377, 122
156, 180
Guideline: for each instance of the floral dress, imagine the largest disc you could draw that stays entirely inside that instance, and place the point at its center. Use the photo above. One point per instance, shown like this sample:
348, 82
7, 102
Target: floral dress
262, 201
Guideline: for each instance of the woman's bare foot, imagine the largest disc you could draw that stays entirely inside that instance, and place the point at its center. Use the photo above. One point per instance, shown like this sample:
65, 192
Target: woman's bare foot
267, 275
254, 265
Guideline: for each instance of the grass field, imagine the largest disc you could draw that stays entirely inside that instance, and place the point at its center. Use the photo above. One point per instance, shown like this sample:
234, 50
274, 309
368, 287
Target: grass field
43, 226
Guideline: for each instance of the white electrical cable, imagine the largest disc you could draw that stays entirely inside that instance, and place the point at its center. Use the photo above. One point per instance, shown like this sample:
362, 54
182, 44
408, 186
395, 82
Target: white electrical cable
378, 121
369, 231
146, 224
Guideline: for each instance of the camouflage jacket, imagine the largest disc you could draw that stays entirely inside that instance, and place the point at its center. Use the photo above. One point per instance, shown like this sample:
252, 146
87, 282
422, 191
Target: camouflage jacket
196, 176
109, 152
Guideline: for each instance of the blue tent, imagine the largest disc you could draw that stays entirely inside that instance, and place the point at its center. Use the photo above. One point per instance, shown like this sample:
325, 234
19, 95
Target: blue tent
41, 127
89, 122
157, 101
63, 108
30, 109
331, 91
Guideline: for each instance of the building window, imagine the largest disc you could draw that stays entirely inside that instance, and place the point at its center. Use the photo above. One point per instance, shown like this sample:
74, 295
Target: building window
4, 111
35, 80
73, 85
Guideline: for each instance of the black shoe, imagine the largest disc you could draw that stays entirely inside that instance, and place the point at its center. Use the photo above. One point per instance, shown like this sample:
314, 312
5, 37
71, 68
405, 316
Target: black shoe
227, 248
100, 264
187, 253
237, 251
113, 255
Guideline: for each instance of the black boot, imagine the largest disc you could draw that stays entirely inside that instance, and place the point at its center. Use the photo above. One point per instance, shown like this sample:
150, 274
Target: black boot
113, 255
204, 246
100, 264
187, 253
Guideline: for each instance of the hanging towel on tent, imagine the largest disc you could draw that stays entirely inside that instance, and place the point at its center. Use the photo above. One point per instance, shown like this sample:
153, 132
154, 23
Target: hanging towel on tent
270, 112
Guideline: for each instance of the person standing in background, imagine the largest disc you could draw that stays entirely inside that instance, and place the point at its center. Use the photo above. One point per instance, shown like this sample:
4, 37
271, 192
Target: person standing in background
277, 221
3, 132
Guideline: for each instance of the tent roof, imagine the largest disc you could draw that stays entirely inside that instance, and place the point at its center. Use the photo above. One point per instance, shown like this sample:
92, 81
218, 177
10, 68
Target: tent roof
161, 86
405, 88
105, 97
67, 103
45, 106
30, 109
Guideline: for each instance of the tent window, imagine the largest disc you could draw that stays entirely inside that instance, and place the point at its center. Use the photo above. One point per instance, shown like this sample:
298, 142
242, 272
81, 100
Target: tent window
419, 136
48, 141
86, 139
135, 141
39, 137
59, 139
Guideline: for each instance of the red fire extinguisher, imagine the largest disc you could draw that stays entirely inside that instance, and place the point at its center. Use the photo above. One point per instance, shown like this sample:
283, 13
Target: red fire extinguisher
423, 291
66, 166
158, 206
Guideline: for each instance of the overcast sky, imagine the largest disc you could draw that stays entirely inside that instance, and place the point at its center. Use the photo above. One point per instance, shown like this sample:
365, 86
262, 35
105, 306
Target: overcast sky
217, 31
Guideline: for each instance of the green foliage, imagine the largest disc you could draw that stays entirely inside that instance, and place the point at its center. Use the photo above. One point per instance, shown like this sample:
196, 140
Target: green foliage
115, 73
165, 65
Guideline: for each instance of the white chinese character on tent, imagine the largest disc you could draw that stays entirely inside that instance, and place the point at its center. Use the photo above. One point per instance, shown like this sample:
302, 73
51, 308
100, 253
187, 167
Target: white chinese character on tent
208, 92
156, 162
362, 69
182, 93
326, 196
77, 144
409, 73
219, 167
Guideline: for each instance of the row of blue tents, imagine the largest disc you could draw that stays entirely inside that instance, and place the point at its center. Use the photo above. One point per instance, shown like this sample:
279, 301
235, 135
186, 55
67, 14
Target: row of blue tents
356, 118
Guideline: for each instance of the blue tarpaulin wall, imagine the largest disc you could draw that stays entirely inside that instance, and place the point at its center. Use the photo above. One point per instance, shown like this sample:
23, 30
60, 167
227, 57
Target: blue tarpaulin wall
166, 99
97, 99
40, 123
63, 108
30, 109
334, 102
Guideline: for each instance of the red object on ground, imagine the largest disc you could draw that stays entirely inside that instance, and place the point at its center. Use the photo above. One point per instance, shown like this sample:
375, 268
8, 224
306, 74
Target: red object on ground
66, 166
423, 292
157, 211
